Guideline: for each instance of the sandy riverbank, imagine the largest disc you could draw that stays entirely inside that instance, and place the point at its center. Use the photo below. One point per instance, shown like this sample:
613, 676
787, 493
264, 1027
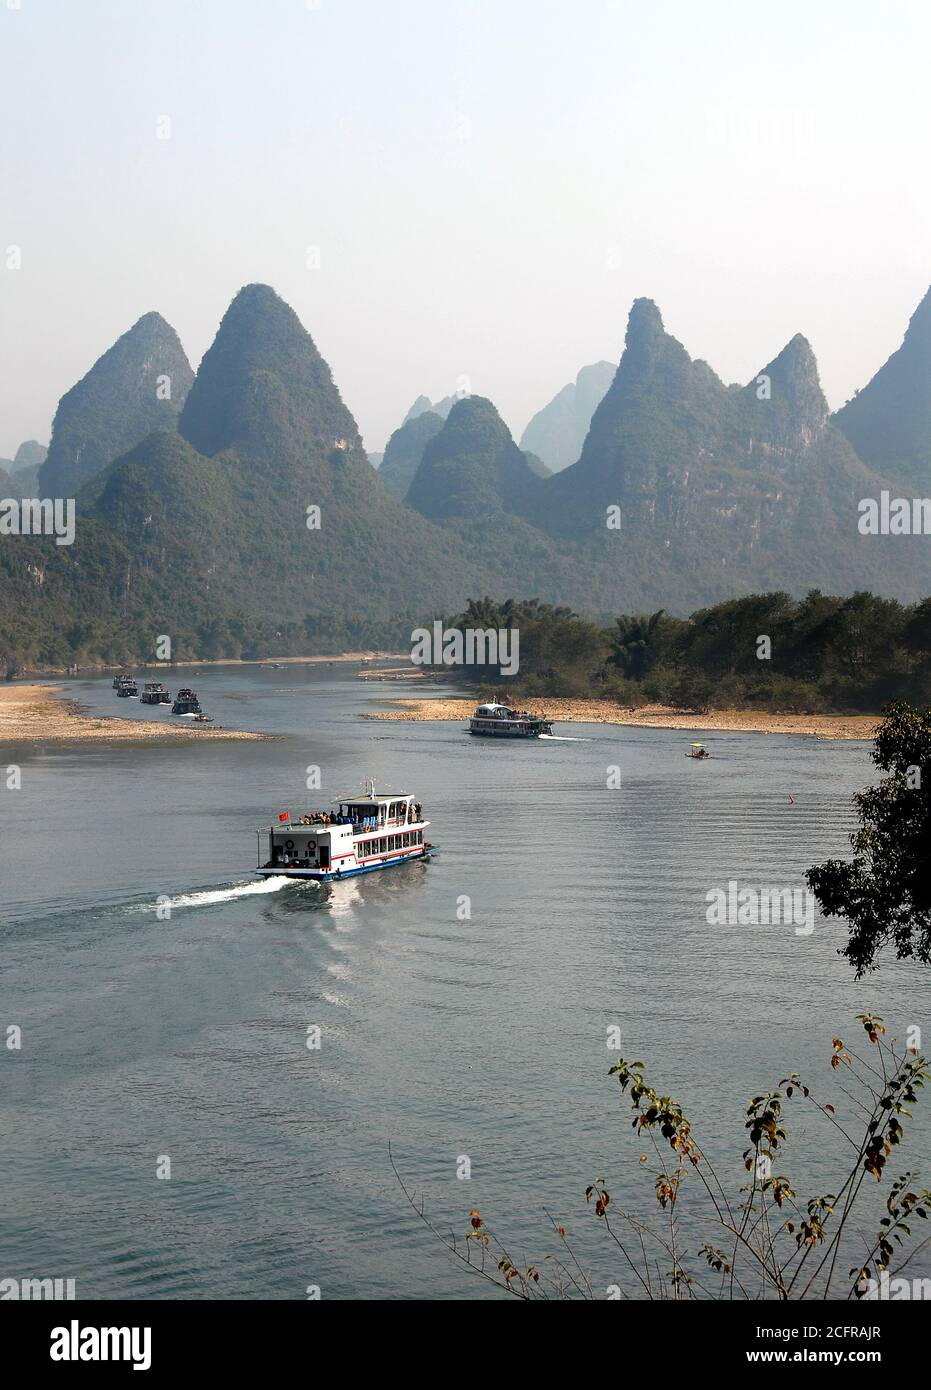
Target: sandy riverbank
32, 714
394, 673
835, 726
290, 660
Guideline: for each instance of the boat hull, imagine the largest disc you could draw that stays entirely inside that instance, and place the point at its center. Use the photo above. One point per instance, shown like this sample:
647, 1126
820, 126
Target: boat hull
279, 871
535, 731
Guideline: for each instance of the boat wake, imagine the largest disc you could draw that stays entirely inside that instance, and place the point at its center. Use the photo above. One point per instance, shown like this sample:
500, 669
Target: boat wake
562, 738
208, 896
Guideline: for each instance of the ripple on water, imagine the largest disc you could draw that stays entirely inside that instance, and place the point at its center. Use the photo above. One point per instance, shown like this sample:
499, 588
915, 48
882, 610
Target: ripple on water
463, 1005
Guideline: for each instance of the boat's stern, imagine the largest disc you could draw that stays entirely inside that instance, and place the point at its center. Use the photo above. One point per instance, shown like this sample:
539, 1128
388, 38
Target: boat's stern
303, 851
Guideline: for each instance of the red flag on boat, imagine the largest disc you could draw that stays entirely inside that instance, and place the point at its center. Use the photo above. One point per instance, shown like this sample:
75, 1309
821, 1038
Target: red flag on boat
285, 815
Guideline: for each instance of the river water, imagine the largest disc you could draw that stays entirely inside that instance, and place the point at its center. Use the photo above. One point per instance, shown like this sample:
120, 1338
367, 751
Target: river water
463, 1004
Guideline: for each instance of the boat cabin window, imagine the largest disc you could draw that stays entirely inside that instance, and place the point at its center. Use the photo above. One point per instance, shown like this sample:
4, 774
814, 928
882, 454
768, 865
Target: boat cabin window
357, 811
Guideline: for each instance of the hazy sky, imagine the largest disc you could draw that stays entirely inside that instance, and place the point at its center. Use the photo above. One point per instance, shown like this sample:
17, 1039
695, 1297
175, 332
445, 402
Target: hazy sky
489, 183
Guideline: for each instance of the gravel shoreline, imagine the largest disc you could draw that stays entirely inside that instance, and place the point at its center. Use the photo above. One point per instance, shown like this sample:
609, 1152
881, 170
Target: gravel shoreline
566, 711
32, 714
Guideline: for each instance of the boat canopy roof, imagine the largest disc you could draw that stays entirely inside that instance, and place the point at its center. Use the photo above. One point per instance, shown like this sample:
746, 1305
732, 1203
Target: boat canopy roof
367, 799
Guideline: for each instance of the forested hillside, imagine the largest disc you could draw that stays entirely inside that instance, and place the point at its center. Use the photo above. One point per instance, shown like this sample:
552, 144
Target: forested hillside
242, 513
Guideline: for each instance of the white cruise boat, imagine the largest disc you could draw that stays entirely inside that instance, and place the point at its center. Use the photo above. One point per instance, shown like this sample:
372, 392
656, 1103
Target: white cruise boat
500, 721
366, 832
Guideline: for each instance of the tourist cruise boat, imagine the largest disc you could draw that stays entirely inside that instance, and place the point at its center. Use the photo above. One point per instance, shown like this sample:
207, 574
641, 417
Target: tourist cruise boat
127, 689
186, 702
366, 832
154, 693
500, 721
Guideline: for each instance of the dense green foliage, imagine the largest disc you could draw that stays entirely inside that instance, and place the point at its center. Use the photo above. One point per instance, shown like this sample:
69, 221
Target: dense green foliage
885, 891
821, 654
536, 464
404, 451
472, 468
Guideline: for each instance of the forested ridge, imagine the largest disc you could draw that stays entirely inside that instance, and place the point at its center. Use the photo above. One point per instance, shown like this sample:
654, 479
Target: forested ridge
236, 511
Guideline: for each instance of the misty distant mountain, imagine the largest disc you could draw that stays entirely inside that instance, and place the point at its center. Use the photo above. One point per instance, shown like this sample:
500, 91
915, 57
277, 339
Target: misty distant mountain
888, 422
25, 465
139, 384
557, 432
257, 510
30, 454
423, 403
404, 451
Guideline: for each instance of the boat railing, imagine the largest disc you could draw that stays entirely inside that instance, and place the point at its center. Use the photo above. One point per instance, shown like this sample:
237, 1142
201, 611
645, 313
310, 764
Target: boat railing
362, 825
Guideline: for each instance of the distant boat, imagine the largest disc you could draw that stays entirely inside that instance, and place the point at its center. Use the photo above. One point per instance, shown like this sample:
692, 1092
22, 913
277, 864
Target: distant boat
154, 693
186, 702
374, 830
127, 689
501, 721
698, 750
